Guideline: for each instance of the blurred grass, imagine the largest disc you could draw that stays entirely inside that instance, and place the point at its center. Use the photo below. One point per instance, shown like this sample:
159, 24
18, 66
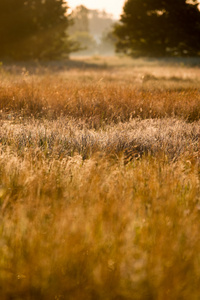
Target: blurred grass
98, 202
98, 229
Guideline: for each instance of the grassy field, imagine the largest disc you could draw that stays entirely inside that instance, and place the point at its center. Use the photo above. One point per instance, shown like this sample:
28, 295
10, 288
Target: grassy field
100, 180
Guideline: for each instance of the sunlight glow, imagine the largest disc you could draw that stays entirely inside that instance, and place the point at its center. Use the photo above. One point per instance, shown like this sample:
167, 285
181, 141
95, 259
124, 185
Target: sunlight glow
113, 7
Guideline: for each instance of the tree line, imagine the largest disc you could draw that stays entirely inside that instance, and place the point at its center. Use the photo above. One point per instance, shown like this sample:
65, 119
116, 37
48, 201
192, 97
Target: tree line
42, 29
91, 29
159, 28
34, 29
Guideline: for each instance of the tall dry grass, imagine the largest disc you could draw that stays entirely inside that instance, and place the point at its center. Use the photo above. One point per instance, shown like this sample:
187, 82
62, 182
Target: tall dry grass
67, 137
103, 96
99, 229
100, 184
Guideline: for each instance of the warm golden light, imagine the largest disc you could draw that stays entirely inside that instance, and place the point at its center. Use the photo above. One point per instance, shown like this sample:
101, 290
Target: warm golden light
112, 6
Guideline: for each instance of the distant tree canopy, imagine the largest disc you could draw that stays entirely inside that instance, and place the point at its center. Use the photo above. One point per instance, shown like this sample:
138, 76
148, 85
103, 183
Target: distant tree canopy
159, 28
90, 29
80, 19
108, 40
33, 29
79, 30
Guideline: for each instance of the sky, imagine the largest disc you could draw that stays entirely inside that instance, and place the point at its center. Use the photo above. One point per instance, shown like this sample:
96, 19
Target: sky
111, 6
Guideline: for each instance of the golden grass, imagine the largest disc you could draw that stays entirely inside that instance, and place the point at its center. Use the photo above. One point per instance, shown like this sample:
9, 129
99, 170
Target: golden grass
104, 95
64, 137
99, 202
97, 104
98, 229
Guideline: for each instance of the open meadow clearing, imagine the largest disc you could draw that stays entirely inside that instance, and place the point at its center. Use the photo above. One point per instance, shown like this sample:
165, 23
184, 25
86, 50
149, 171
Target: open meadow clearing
100, 180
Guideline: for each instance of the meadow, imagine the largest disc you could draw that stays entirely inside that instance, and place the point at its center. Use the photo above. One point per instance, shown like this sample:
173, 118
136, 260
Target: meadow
100, 179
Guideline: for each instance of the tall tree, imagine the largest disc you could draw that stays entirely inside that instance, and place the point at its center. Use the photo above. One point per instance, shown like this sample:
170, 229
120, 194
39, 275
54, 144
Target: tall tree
32, 29
159, 28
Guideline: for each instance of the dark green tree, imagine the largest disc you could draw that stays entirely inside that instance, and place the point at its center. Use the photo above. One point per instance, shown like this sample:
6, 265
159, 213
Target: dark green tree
159, 28
33, 29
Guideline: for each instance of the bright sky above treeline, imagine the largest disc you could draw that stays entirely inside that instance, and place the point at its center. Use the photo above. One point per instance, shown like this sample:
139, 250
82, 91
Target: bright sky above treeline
113, 7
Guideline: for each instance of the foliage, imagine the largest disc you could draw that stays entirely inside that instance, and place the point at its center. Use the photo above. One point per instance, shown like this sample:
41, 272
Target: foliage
107, 43
80, 20
85, 42
159, 28
34, 29
100, 21
91, 28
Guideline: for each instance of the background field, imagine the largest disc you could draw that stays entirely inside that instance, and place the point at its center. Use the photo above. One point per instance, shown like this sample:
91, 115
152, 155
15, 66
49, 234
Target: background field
100, 179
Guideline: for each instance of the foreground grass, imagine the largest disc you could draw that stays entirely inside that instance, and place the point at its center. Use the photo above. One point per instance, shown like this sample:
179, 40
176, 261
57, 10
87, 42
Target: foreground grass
67, 232
100, 185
